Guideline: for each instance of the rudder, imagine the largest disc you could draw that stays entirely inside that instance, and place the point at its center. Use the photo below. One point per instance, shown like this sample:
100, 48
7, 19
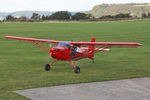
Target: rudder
91, 49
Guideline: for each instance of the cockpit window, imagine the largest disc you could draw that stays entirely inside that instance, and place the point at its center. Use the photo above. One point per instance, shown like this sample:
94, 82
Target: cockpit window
64, 44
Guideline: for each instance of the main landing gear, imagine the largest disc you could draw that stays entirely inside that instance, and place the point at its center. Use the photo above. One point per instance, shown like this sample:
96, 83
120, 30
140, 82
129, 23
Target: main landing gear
47, 67
76, 68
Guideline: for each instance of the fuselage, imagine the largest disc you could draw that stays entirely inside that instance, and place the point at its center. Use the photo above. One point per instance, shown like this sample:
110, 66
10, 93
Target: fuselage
64, 51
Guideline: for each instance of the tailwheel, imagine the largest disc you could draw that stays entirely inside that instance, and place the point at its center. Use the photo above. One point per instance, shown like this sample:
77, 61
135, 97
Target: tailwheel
77, 69
47, 67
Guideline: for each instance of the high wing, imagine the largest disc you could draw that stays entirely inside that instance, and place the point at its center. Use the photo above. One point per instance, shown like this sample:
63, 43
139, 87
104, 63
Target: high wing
110, 44
31, 39
78, 43
101, 45
36, 42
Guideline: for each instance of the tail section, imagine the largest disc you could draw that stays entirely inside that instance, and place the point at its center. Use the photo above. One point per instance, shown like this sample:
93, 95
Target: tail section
91, 49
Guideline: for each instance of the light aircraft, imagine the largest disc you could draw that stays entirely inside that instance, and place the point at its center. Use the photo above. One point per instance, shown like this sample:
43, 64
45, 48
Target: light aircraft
73, 51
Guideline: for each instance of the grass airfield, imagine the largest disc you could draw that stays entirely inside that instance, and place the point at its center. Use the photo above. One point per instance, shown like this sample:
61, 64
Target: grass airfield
22, 65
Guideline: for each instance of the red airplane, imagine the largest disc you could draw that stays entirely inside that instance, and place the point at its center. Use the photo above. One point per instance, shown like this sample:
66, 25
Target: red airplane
73, 51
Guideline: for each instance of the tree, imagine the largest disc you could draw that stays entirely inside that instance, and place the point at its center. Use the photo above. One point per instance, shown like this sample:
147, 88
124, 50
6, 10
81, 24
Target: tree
60, 15
44, 17
35, 16
23, 18
10, 18
148, 15
144, 15
116, 16
106, 17
89, 16
122, 16
80, 16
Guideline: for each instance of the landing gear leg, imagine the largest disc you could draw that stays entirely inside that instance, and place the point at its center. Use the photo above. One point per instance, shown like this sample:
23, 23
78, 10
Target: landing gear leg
93, 60
48, 67
76, 68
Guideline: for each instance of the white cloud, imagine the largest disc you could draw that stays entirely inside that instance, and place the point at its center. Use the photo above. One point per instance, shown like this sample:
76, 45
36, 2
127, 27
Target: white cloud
56, 5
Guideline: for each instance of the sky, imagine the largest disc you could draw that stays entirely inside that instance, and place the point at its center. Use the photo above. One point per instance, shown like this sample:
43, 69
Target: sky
57, 5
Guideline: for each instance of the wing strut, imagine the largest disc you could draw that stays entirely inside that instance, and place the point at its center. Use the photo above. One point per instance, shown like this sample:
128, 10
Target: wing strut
38, 45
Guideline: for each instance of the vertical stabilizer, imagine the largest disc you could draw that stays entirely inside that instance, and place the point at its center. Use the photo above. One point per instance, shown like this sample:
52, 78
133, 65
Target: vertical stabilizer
91, 49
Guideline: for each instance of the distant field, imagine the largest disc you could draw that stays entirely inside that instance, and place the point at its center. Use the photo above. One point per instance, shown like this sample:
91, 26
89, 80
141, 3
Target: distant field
22, 65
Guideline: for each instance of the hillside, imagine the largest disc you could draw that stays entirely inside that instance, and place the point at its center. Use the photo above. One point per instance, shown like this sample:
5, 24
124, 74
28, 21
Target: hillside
112, 9
29, 13
26, 13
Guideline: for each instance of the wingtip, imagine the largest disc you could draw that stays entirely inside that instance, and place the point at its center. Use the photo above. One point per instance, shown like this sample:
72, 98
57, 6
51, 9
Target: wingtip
140, 44
9, 36
6, 36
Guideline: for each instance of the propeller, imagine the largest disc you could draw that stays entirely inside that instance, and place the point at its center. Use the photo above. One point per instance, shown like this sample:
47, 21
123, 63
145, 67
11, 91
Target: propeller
50, 45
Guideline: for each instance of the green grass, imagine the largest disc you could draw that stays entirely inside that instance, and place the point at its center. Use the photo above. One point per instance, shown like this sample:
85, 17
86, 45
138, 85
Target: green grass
22, 65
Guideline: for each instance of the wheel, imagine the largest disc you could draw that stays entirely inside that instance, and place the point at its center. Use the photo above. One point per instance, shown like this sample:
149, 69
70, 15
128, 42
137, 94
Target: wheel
47, 67
77, 69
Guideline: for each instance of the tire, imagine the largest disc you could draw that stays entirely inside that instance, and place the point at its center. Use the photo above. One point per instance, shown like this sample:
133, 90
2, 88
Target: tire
77, 69
47, 67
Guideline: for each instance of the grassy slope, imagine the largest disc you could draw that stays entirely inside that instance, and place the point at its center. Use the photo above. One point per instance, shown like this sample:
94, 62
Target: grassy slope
113, 9
21, 64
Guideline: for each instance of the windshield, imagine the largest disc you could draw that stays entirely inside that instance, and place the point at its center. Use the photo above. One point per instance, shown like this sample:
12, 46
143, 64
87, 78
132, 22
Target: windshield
64, 44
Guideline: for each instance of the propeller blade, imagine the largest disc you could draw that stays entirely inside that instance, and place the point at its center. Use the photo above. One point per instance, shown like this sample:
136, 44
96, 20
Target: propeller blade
50, 45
